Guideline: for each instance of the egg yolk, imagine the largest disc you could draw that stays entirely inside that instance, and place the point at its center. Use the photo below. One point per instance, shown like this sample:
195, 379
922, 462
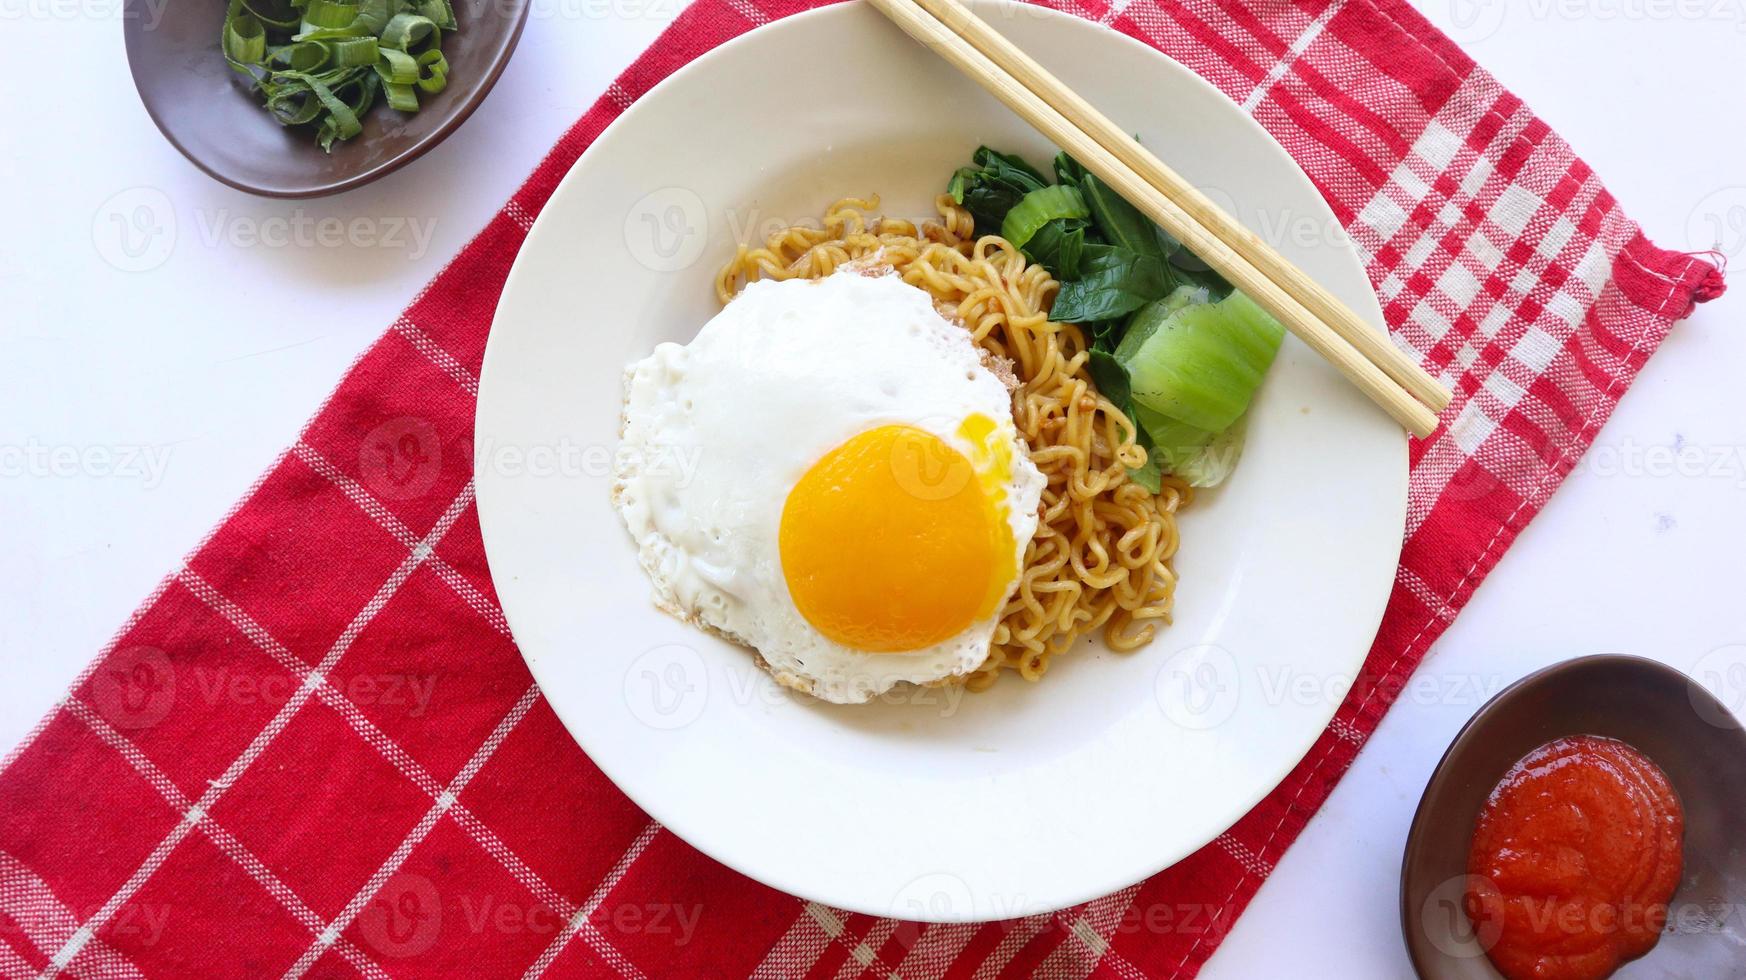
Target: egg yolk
896, 540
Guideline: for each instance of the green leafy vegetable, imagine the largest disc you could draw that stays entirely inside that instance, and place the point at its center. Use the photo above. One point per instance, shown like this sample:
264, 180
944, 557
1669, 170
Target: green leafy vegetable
1140, 328
1202, 363
1068, 170
1173, 443
1057, 246
1198, 453
1112, 283
1040, 207
1190, 269
1172, 344
1151, 475
1201, 458
325, 62
992, 185
245, 37
1109, 376
1121, 223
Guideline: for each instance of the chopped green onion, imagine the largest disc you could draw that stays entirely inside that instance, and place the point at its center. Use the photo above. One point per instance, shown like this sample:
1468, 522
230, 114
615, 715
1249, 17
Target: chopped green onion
341, 120
325, 62
407, 31
351, 52
433, 75
281, 16
397, 68
438, 12
401, 97
245, 39
328, 15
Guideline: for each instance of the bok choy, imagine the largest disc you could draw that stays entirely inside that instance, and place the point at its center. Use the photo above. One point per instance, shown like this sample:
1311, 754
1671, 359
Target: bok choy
1173, 345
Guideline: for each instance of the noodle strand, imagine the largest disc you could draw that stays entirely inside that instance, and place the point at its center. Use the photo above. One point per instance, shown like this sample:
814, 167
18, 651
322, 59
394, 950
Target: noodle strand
1101, 556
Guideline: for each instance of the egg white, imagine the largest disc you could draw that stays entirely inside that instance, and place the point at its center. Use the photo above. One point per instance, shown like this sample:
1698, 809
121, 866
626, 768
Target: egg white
784, 374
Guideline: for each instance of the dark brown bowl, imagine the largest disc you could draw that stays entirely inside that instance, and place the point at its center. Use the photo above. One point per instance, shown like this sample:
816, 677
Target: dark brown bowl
206, 111
1666, 715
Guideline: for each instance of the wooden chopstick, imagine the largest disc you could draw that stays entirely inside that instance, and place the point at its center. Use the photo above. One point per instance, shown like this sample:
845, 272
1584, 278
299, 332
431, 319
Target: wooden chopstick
1372, 343
1186, 218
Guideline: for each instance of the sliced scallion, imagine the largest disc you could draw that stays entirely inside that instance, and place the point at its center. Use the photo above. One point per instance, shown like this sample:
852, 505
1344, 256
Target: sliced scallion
325, 62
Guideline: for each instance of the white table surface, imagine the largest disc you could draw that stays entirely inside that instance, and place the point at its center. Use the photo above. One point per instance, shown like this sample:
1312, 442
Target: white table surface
1630, 556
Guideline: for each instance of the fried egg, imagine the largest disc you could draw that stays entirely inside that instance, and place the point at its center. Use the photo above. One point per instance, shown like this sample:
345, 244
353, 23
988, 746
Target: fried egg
829, 474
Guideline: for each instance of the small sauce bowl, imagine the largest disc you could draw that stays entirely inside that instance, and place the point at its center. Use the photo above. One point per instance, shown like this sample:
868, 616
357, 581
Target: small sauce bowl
205, 109
1664, 714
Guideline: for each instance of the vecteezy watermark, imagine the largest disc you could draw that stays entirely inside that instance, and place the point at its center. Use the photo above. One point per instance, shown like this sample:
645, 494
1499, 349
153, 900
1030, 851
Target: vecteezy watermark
401, 458
134, 688
1444, 920
137, 688
138, 230
666, 229
1718, 222
676, 921
926, 467
135, 229
148, 12
301, 229
1465, 916
933, 897
568, 459
1201, 687
617, 10
404, 917
1722, 673
1174, 919
138, 923
1680, 459
666, 10
753, 225
1472, 21
405, 693
485, 912
410, 912
668, 687
944, 897
1279, 685
1284, 227
39, 460
1469, 21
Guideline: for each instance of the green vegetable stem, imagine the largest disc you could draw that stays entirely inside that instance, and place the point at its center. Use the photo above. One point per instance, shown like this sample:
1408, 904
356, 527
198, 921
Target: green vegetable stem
1172, 344
324, 62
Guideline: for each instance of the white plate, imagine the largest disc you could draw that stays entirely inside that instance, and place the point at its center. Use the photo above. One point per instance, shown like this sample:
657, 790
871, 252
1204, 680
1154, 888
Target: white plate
1028, 798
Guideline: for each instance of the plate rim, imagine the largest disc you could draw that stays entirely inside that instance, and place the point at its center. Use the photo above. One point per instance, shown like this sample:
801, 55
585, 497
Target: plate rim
1144, 869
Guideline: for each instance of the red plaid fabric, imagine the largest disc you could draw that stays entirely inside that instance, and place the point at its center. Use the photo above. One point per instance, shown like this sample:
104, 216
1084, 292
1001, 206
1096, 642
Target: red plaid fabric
315, 751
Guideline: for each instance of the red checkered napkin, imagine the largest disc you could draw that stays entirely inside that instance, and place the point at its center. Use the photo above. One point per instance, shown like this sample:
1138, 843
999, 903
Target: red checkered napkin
314, 751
